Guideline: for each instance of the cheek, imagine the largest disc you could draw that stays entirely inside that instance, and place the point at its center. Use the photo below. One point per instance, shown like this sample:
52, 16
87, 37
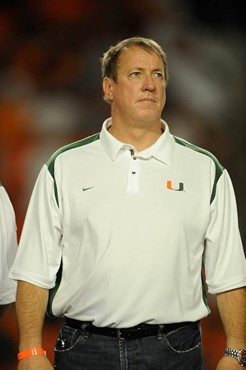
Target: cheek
128, 95
162, 98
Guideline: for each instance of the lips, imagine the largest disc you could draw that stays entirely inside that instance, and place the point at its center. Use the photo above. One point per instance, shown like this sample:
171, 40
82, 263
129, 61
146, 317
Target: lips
147, 100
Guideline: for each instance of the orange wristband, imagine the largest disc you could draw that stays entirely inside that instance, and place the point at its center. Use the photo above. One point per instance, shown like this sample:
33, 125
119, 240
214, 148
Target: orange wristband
31, 352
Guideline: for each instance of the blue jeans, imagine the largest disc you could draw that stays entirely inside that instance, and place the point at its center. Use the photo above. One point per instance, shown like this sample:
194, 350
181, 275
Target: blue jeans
177, 350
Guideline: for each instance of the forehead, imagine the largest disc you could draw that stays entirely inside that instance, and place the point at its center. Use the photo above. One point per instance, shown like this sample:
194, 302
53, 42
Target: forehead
135, 56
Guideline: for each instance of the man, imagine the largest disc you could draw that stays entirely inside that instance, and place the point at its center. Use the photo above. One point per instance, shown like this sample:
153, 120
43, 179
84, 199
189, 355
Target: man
117, 230
8, 248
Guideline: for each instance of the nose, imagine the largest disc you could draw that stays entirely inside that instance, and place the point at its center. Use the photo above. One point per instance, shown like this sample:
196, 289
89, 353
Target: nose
148, 83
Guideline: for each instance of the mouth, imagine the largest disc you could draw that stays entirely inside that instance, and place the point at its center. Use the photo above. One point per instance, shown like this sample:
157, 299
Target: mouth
151, 100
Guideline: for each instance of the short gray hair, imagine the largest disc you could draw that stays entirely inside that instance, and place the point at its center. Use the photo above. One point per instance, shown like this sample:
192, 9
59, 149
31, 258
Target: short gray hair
110, 58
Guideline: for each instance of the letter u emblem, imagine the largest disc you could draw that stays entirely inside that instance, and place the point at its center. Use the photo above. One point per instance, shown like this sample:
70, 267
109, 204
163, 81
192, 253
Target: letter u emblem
170, 186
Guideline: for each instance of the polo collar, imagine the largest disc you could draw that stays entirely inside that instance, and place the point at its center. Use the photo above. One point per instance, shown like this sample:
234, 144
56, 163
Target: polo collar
162, 149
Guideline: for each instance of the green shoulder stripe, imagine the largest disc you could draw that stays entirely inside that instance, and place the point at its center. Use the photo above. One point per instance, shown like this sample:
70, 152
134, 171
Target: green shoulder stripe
1, 184
218, 167
51, 162
51, 165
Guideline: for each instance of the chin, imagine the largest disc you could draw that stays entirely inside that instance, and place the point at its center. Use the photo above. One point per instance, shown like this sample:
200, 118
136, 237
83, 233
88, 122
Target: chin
149, 117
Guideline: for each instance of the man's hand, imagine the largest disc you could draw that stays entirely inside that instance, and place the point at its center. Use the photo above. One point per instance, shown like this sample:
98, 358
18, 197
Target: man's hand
228, 363
35, 363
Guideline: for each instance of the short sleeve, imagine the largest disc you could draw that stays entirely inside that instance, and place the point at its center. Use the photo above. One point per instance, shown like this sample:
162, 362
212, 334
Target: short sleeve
39, 253
224, 258
8, 248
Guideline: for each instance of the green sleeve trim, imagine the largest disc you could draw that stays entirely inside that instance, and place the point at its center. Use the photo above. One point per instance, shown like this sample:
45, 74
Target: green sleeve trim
53, 291
218, 167
204, 295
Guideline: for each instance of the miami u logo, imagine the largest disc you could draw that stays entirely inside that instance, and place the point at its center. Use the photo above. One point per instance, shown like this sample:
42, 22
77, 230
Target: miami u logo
170, 186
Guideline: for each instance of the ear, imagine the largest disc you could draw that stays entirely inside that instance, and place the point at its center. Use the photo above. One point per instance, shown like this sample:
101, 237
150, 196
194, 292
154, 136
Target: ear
108, 88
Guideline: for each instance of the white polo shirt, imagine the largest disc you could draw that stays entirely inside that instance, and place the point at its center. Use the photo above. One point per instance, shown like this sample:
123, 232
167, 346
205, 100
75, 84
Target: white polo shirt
120, 237
8, 248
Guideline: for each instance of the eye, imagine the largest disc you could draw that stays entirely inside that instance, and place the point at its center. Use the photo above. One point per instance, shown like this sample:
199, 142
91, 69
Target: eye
158, 75
135, 74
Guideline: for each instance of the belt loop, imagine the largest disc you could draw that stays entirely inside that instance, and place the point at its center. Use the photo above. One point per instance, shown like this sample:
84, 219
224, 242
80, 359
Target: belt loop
160, 331
84, 325
85, 332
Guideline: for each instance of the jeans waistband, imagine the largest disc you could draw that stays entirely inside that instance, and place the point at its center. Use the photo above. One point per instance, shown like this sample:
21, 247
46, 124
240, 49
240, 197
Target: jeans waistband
135, 332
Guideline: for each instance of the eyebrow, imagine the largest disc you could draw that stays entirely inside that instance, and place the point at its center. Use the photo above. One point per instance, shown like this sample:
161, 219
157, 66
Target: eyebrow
142, 69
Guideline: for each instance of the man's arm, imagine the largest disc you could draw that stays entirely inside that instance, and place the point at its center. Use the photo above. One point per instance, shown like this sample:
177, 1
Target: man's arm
232, 309
31, 303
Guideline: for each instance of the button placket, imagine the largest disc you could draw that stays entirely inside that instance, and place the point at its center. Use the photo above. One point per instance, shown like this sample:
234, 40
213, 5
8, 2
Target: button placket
133, 174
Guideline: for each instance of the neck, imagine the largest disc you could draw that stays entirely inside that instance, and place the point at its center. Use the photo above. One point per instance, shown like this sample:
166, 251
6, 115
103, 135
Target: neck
140, 137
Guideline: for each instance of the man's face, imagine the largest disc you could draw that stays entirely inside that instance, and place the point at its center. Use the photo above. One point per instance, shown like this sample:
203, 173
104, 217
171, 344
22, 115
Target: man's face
139, 93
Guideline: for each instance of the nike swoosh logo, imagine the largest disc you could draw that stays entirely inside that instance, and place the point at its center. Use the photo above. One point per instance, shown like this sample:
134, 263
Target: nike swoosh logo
90, 187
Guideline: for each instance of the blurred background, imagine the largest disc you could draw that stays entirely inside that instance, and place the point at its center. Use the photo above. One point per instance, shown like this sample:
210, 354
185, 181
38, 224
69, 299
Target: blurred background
51, 95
